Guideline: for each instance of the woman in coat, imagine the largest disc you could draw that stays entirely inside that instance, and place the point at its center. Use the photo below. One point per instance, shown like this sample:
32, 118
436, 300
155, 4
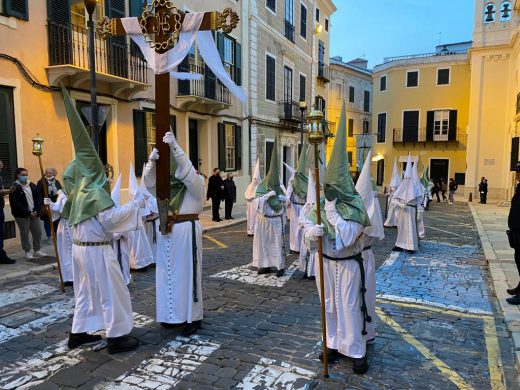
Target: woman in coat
53, 186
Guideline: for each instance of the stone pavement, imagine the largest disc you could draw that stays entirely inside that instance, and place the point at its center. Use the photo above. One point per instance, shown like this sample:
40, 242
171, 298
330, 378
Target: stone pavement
491, 222
438, 323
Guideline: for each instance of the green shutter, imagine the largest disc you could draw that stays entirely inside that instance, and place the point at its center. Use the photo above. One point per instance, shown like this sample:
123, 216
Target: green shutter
17, 8
238, 64
7, 136
136, 8
221, 146
430, 121
117, 47
58, 30
220, 45
238, 148
515, 156
452, 134
140, 147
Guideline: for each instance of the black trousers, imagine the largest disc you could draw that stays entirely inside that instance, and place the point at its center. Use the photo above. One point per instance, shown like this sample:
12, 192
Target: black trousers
436, 193
215, 205
229, 208
2, 231
483, 197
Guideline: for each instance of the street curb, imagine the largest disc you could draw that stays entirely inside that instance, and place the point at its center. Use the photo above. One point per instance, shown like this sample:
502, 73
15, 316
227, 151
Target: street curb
33, 271
230, 224
511, 313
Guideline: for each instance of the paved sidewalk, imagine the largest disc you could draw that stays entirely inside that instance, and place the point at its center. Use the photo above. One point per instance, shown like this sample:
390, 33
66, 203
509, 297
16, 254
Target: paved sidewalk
23, 267
491, 222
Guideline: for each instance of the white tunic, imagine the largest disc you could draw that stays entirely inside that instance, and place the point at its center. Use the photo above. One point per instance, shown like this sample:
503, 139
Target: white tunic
406, 226
251, 216
391, 219
63, 238
420, 222
342, 289
268, 244
176, 300
102, 298
369, 262
121, 249
293, 215
308, 249
140, 254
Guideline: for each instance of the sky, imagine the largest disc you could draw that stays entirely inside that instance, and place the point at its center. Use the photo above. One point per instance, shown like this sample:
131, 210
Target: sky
375, 29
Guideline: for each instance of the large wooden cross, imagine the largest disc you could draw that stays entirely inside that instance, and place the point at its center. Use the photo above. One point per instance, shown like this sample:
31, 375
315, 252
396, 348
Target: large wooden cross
161, 24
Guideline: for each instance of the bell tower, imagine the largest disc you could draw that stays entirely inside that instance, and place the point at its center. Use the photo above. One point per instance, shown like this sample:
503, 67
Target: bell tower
495, 22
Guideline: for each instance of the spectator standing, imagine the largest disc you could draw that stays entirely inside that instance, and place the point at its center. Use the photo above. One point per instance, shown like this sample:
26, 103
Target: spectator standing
4, 259
435, 190
215, 193
25, 206
53, 186
453, 188
514, 235
483, 190
230, 195
444, 189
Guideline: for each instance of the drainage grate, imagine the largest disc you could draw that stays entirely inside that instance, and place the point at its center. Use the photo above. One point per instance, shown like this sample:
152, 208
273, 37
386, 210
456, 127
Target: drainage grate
19, 318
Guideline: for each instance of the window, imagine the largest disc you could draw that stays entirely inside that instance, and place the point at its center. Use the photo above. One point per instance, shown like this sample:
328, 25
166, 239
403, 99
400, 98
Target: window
289, 20
271, 4
231, 54
490, 11
515, 156
7, 136
135, 8
326, 24
269, 146
443, 76
350, 127
270, 78
506, 11
382, 83
318, 15
412, 78
381, 127
441, 125
303, 82
230, 147
15, 8
380, 172
350, 159
320, 104
287, 86
351, 94
366, 127
303, 21
338, 91
366, 101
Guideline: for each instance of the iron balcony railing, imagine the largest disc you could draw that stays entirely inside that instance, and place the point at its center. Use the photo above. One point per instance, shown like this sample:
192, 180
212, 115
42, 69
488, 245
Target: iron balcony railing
323, 72
413, 134
289, 31
289, 111
208, 87
425, 55
68, 45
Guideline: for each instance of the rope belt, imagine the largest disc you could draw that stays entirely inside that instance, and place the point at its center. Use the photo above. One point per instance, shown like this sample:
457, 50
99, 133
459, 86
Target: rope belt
119, 255
101, 243
194, 260
273, 216
364, 309
298, 204
367, 248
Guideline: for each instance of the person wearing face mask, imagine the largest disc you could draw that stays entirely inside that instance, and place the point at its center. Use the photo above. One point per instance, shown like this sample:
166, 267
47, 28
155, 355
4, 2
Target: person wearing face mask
26, 204
4, 259
53, 186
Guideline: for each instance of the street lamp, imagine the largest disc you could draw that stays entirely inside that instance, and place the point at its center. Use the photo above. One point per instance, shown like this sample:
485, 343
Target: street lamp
316, 135
37, 151
303, 108
90, 5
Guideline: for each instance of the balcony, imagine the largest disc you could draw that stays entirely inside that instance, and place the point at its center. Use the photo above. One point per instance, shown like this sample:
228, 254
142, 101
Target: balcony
289, 111
207, 95
423, 136
323, 72
120, 65
289, 31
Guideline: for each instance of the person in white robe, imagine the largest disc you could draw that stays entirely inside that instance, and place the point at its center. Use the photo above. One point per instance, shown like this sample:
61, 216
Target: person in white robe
308, 250
151, 221
63, 237
140, 251
179, 253
270, 203
249, 195
405, 200
120, 241
101, 295
373, 233
420, 203
395, 182
344, 219
297, 195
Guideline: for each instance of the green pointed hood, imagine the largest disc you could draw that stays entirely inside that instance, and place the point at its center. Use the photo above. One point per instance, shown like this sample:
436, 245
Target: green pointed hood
85, 178
177, 188
338, 183
300, 177
271, 181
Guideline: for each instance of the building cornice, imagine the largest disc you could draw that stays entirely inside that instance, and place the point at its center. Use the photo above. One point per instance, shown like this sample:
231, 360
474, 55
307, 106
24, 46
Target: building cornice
422, 62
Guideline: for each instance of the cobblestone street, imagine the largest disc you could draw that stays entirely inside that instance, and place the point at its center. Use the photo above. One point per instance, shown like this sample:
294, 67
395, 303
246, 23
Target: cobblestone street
438, 325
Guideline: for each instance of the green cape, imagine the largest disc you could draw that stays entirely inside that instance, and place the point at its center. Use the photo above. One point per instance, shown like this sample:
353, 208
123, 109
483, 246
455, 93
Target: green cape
177, 188
85, 179
271, 182
301, 180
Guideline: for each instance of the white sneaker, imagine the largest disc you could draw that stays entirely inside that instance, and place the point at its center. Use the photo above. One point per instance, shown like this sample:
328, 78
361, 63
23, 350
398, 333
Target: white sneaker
29, 256
40, 254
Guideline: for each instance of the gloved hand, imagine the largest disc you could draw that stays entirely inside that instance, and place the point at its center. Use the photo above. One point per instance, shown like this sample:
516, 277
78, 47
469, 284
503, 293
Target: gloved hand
141, 202
47, 202
169, 138
331, 213
154, 156
61, 193
316, 231
283, 198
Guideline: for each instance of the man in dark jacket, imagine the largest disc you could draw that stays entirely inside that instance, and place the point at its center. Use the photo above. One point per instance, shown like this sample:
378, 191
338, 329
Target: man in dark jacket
230, 194
4, 259
215, 193
483, 190
514, 235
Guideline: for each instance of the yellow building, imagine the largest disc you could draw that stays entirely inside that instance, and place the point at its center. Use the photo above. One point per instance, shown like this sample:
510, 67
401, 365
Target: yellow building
421, 107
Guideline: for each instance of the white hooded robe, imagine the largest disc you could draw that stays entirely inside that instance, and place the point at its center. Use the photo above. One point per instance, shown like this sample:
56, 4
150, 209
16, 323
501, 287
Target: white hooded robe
63, 237
249, 195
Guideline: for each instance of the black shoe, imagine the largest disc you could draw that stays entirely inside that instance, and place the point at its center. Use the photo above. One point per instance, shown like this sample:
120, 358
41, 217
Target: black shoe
121, 344
410, 252
173, 326
332, 355
191, 328
250, 235
231, 218
305, 276
77, 339
294, 252
360, 365
514, 291
137, 270
514, 300
312, 277
262, 271
68, 284
7, 260
397, 249
280, 273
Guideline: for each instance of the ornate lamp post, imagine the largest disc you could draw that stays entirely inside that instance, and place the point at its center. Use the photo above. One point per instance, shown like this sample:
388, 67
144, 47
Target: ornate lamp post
90, 5
38, 152
316, 135
303, 108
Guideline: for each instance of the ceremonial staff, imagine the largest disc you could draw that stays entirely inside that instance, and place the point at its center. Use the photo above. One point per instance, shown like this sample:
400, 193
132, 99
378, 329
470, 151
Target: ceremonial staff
316, 136
38, 152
